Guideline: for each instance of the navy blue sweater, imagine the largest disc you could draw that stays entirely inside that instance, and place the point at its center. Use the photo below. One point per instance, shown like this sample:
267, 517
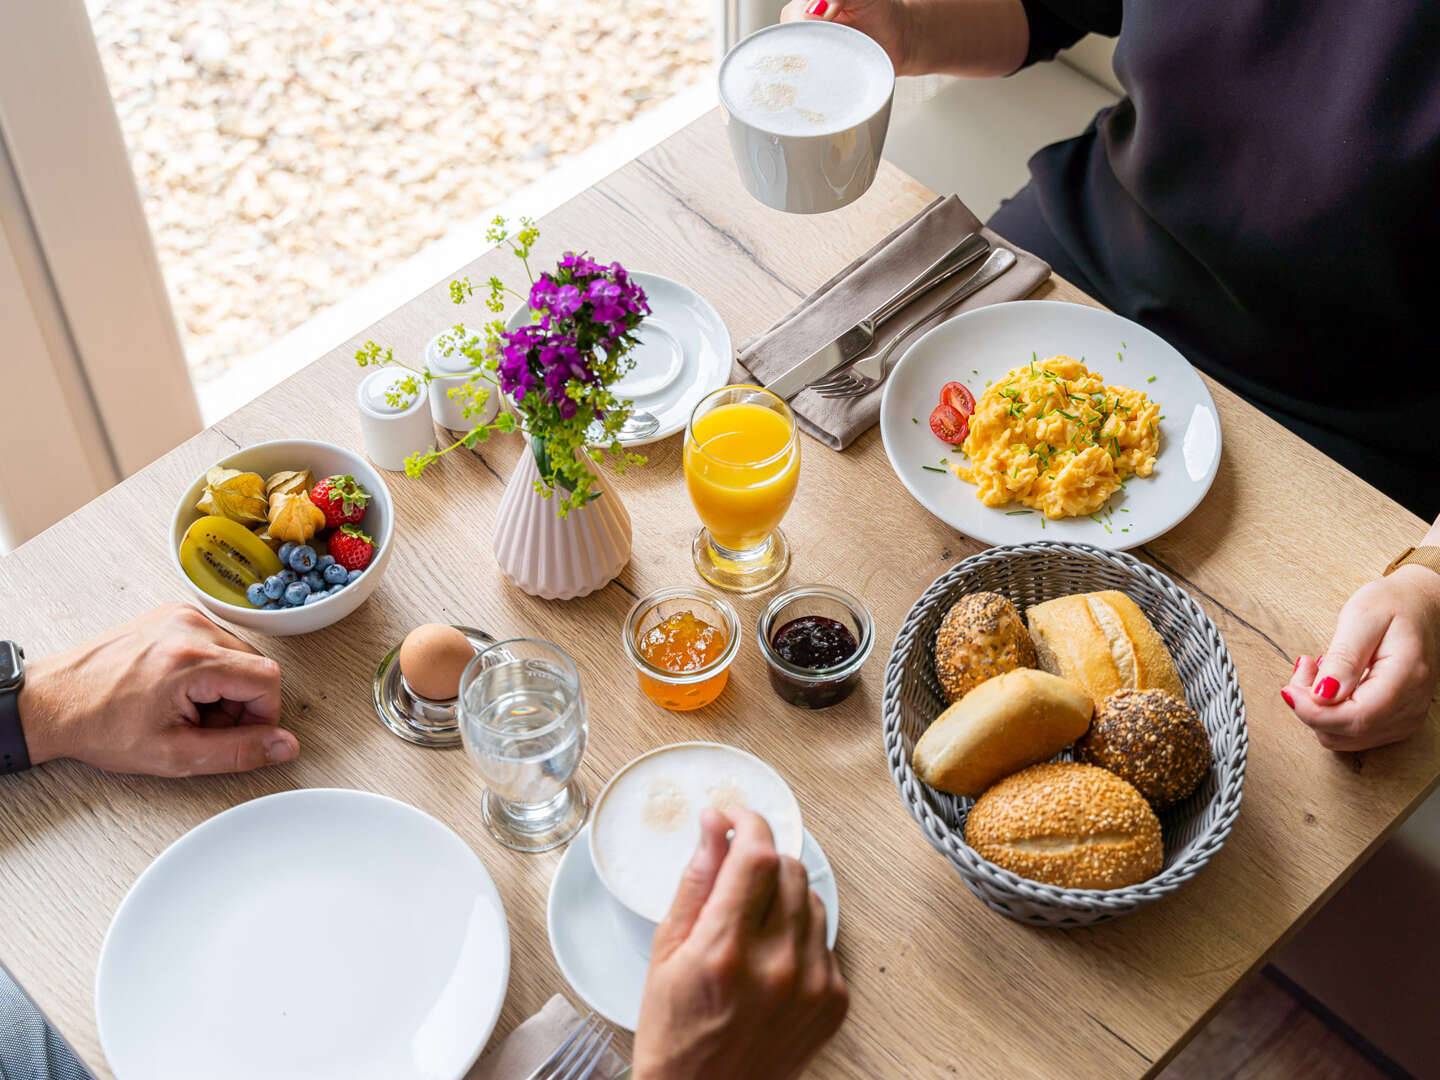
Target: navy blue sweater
1265, 198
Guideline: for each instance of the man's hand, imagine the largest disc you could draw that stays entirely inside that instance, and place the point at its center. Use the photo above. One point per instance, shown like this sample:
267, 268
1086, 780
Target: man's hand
741, 983
169, 694
1375, 682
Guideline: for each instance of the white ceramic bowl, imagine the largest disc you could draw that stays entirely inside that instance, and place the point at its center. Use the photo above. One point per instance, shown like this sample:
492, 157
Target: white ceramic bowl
323, 459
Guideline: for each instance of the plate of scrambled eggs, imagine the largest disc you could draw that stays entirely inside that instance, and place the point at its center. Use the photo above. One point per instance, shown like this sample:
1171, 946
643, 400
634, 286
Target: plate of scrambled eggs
1086, 426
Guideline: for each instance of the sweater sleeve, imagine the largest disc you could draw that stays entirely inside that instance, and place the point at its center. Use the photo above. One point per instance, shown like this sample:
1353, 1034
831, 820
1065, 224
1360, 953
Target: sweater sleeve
1058, 24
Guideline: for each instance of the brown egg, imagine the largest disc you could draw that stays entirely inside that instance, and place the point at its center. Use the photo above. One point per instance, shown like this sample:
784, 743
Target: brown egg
432, 658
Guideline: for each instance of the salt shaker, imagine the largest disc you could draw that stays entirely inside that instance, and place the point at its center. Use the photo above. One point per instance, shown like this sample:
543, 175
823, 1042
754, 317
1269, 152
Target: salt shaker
450, 371
393, 432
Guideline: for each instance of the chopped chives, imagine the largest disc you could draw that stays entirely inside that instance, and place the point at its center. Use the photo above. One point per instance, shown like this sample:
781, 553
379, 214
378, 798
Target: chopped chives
932, 468
1121, 357
1096, 520
913, 420
1012, 513
1150, 379
1124, 509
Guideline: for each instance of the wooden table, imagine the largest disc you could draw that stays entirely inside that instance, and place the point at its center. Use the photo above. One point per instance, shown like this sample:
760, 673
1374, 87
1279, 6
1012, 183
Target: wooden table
941, 985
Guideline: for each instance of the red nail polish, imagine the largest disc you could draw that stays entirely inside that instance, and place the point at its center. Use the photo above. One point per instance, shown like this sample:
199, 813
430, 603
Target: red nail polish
818, 9
1288, 699
1321, 660
1328, 687
1296, 667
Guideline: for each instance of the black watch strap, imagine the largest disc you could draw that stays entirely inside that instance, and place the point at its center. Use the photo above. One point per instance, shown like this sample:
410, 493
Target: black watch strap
14, 753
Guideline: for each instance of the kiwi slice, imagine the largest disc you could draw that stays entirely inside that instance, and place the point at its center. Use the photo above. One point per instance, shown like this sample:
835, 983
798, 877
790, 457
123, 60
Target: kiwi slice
224, 558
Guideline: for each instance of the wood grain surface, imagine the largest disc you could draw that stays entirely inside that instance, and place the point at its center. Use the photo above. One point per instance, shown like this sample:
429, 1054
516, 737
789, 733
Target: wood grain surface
941, 985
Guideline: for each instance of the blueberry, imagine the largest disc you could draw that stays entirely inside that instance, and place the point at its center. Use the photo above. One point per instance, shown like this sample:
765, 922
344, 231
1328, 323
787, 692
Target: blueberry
335, 574
272, 605
274, 587
256, 595
353, 576
334, 589
302, 558
285, 549
289, 577
325, 562
296, 593
315, 598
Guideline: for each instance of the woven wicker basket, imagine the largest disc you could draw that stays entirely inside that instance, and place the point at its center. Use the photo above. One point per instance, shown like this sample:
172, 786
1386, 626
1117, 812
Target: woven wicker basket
1029, 574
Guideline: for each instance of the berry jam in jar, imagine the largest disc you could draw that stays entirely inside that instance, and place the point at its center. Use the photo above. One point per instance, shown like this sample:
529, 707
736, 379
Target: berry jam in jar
815, 640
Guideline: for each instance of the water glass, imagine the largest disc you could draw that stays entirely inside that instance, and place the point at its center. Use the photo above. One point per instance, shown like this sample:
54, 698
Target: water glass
523, 722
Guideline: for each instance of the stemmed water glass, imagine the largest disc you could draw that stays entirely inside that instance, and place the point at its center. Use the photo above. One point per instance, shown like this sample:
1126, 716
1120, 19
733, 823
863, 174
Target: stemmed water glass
523, 722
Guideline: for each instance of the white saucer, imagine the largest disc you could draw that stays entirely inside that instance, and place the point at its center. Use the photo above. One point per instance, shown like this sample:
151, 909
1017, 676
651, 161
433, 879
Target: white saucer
321, 934
600, 960
684, 353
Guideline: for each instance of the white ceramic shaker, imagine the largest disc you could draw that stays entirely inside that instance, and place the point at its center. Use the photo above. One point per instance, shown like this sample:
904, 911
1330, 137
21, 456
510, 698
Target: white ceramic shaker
393, 432
451, 371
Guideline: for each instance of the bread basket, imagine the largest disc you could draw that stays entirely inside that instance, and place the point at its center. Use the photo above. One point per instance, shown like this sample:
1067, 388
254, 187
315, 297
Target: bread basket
1028, 574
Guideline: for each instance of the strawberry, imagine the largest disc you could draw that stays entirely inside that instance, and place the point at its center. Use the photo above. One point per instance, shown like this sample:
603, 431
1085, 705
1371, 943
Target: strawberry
342, 499
351, 548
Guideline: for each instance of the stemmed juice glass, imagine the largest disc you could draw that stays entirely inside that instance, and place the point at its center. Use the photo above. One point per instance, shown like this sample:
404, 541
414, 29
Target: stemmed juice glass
523, 722
742, 462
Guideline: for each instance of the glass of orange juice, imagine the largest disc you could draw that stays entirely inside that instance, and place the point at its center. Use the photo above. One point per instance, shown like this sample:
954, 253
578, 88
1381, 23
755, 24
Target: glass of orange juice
742, 461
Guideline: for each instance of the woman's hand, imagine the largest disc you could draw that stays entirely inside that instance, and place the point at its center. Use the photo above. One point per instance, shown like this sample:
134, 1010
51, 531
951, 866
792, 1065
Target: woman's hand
741, 983
883, 20
1375, 682
169, 694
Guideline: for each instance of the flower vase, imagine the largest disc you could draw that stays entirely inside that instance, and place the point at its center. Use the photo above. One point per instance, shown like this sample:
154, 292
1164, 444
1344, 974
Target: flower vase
558, 558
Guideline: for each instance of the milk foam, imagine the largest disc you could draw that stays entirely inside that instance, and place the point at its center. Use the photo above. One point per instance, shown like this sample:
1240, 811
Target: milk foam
805, 78
647, 824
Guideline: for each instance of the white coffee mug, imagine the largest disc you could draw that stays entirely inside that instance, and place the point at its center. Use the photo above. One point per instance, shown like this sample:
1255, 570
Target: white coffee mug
807, 106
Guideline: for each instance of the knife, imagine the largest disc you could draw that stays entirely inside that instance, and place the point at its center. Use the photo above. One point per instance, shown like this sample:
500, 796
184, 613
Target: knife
859, 337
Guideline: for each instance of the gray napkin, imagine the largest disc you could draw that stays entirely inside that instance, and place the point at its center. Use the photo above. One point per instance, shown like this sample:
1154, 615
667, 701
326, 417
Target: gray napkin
860, 288
521, 1052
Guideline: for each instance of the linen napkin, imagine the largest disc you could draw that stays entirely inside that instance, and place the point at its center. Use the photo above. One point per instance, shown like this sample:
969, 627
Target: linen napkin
521, 1052
860, 288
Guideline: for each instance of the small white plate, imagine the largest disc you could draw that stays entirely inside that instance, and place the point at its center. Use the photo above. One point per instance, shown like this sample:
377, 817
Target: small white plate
595, 947
983, 345
684, 353
312, 934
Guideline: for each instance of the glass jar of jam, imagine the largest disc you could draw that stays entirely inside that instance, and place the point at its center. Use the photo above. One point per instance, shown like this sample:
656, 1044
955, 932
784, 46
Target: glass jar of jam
682, 642
815, 639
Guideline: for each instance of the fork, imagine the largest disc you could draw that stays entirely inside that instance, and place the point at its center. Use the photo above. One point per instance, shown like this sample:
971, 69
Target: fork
864, 375
577, 1056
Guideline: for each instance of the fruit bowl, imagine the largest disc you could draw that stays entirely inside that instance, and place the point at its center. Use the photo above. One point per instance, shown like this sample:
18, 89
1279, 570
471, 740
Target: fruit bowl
323, 459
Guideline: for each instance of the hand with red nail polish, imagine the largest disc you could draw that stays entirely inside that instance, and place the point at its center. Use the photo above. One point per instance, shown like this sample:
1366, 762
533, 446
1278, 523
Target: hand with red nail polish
1375, 682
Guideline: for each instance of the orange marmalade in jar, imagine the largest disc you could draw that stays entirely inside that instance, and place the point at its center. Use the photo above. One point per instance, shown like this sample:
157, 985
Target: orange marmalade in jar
682, 642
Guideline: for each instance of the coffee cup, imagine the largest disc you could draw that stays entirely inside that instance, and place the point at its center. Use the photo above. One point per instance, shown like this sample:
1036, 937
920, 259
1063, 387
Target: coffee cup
646, 824
807, 105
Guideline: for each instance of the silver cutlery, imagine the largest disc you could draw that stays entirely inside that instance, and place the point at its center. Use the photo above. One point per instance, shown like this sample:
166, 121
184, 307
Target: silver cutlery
853, 342
853, 380
577, 1057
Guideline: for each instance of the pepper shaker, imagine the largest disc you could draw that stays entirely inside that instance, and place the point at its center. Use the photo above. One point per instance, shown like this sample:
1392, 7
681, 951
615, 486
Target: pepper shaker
393, 432
453, 369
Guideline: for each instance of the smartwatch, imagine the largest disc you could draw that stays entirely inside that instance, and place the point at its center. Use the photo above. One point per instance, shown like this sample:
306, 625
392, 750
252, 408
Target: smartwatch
14, 754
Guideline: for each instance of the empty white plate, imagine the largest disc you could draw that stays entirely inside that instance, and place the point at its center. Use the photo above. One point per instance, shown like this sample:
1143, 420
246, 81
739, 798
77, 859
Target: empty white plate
595, 942
981, 346
320, 934
683, 354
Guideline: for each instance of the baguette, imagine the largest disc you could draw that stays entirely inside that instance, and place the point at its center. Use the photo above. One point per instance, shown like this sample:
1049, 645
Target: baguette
1103, 642
1003, 725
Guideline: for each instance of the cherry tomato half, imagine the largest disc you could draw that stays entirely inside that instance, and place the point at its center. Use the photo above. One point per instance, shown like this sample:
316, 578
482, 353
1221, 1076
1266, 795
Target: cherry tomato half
957, 395
949, 424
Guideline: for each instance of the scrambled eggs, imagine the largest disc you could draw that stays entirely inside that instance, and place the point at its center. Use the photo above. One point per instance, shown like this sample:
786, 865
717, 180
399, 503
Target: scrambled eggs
1052, 435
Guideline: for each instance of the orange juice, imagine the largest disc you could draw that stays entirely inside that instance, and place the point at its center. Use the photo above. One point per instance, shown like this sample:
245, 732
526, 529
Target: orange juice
742, 461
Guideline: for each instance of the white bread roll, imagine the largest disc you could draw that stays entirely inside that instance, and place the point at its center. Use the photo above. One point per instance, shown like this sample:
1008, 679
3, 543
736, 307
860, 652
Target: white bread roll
1102, 642
1066, 824
1001, 726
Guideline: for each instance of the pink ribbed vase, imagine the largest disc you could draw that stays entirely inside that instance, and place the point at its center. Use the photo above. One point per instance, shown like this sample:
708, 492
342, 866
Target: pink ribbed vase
558, 558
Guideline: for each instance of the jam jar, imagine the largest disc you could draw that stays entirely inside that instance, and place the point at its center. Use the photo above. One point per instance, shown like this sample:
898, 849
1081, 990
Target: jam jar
682, 642
815, 639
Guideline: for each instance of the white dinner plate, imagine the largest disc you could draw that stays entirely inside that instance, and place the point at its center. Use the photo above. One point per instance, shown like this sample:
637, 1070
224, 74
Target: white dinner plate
312, 934
981, 346
683, 354
594, 940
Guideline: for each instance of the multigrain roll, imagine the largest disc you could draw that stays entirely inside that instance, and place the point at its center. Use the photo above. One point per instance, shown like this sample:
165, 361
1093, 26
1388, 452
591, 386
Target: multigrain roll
1103, 642
1067, 824
1152, 739
981, 636
1003, 725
